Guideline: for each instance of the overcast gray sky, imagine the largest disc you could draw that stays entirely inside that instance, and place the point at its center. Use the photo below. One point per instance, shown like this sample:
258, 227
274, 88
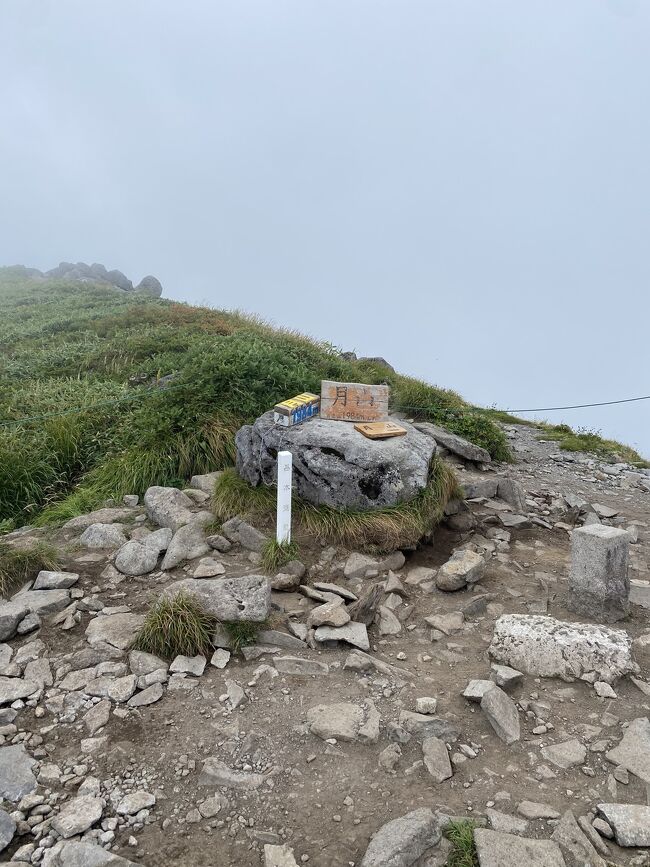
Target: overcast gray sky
461, 186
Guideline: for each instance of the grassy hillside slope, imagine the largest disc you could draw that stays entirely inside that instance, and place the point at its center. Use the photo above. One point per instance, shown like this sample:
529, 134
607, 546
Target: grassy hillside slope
162, 388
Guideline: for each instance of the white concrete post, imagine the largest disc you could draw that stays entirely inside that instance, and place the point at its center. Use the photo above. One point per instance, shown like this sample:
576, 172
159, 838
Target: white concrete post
285, 460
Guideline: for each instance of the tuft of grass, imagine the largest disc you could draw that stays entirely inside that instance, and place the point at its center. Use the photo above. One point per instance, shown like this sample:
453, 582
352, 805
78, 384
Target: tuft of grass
18, 565
176, 626
586, 440
242, 632
277, 554
378, 530
460, 833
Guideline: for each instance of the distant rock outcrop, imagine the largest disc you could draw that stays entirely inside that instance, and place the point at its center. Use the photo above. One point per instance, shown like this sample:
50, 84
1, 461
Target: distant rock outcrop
80, 272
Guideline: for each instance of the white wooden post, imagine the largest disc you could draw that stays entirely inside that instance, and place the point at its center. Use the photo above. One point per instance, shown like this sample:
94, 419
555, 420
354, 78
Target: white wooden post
285, 460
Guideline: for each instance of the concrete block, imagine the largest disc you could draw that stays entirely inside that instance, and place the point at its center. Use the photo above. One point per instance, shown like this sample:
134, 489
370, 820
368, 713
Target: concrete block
599, 584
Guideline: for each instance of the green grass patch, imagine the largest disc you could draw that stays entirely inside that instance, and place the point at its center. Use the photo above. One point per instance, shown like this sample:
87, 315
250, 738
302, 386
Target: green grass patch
277, 554
154, 392
18, 565
176, 626
379, 530
242, 632
460, 834
591, 441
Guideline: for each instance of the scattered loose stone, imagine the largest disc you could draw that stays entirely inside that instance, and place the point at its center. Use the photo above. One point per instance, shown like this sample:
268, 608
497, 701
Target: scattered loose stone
533, 810
574, 842
220, 658
633, 752
194, 665
299, 666
352, 633
464, 567
55, 580
505, 677
476, 689
217, 774
565, 755
278, 856
345, 721
133, 803
502, 714
506, 823
148, 696
436, 759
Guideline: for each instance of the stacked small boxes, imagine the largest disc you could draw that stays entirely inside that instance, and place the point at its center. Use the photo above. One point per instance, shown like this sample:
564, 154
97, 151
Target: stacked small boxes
296, 409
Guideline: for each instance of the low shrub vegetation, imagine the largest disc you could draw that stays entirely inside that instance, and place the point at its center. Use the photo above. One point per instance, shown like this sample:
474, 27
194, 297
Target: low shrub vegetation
153, 391
18, 565
242, 633
176, 626
374, 531
591, 441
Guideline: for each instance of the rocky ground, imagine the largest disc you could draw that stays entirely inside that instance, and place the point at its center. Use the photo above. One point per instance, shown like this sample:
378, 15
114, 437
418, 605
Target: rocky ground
355, 708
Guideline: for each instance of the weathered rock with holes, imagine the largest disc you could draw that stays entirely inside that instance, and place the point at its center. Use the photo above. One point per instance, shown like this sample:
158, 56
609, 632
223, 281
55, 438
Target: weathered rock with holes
545, 647
334, 464
245, 598
401, 842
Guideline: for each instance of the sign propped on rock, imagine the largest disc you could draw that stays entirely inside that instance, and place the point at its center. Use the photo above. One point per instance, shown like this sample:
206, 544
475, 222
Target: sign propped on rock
353, 401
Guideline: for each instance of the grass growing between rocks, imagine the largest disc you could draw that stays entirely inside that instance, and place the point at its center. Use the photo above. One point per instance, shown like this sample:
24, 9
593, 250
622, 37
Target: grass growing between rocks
460, 834
277, 554
380, 530
18, 565
584, 440
242, 632
176, 626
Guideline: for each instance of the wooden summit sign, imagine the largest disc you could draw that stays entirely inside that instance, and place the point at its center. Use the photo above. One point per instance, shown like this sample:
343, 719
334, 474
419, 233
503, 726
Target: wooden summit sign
353, 401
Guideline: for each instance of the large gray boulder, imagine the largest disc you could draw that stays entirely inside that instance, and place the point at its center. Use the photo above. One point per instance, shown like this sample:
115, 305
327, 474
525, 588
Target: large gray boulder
168, 507
228, 599
151, 285
334, 464
401, 842
136, 558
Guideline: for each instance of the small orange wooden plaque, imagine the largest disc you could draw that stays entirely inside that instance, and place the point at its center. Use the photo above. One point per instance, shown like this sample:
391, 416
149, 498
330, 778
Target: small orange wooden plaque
353, 401
380, 430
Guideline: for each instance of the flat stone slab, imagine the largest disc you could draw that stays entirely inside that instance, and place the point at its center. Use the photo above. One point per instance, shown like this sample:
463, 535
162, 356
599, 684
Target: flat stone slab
565, 755
352, 633
229, 599
345, 721
299, 666
436, 759
633, 752
77, 816
545, 647
630, 823
16, 777
55, 580
118, 630
454, 444
496, 849
44, 601
13, 688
